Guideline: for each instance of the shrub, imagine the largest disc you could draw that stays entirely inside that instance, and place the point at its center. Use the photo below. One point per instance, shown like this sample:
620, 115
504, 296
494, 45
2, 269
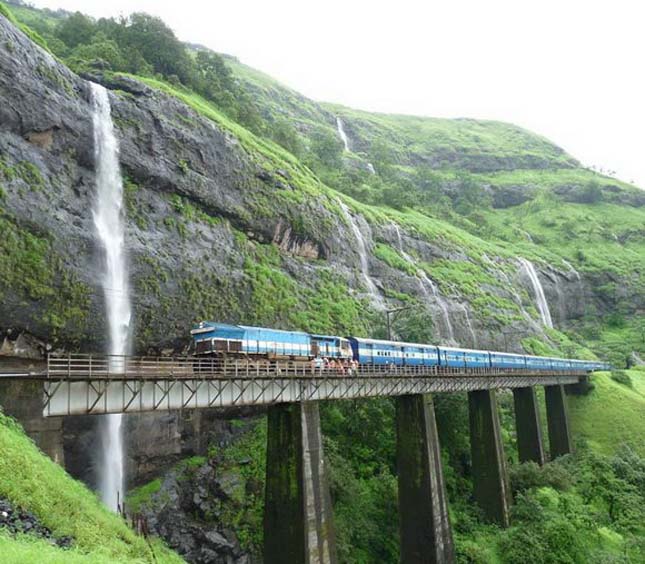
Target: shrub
622, 377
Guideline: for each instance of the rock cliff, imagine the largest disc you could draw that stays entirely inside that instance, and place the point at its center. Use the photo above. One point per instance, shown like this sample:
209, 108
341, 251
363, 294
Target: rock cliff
214, 230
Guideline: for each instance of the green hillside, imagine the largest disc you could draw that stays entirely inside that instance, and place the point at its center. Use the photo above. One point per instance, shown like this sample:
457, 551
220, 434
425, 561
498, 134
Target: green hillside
481, 188
613, 414
30, 480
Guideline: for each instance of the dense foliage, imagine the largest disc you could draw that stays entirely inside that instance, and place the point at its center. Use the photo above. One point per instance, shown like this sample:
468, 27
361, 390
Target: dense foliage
144, 45
586, 507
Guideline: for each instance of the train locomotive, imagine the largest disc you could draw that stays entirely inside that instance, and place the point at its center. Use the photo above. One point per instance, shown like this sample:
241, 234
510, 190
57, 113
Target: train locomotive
263, 344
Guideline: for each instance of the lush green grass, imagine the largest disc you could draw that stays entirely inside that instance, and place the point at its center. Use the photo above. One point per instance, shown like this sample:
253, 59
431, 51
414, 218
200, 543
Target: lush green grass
549, 178
32, 481
28, 550
28, 31
612, 414
593, 237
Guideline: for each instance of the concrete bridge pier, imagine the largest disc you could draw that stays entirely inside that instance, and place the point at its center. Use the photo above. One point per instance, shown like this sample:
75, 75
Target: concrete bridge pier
490, 478
557, 421
298, 522
527, 425
426, 536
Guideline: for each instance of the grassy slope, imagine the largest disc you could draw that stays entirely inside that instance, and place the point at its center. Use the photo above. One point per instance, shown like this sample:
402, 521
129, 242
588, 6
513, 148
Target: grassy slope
612, 414
31, 480
405, 134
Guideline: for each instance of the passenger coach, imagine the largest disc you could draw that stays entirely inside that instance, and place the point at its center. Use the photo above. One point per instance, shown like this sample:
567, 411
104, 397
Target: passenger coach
220, 339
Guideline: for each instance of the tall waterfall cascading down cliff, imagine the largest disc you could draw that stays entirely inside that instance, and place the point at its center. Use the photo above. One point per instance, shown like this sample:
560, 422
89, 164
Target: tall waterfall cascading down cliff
538, 290
110, 231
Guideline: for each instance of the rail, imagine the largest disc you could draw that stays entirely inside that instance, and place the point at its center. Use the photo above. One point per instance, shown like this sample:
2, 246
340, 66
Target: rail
118, 367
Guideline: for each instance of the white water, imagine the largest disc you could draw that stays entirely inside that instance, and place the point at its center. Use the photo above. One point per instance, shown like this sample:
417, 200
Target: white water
424, 283
108, 221
572, 269
370, 168
361, 247
540, 298
510, 286
341, 133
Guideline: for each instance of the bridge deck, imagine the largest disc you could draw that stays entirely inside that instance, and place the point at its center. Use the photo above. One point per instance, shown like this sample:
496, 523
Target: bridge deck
97, 385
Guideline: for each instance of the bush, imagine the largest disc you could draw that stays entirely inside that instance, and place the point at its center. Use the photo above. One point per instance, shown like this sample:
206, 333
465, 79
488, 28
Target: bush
622, 377
530, 475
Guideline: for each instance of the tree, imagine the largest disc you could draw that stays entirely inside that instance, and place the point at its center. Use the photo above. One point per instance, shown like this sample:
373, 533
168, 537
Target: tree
285, 135
76, 30
327, 147
591, 193
158, 45
101, 49
470, 195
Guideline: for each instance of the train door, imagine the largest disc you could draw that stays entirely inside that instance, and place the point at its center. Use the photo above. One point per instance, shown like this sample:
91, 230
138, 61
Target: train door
314, 349
369, 352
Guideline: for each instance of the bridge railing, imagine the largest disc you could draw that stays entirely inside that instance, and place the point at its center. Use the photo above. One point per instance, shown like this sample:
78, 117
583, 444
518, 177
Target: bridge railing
119, 367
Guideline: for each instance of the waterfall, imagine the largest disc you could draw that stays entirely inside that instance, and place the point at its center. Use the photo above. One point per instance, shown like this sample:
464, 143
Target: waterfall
510, 286
341, 133
540, 298
109, 225
572, 269
424, 284
361, 247
370, 168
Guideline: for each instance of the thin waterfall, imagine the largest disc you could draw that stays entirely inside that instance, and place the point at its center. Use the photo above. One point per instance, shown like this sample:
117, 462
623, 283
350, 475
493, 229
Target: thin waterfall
361, 247
572, 269
341, 133
110, 231
340, 127
424, 284
538, 290
510, 286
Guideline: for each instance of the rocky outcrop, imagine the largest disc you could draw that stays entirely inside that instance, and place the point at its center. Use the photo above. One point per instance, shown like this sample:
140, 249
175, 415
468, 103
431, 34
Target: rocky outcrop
188, 513
16, 521
155, 442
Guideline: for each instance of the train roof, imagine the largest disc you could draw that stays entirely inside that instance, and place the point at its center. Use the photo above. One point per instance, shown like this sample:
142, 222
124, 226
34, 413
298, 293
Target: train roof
212, 325
386, 342
460, 349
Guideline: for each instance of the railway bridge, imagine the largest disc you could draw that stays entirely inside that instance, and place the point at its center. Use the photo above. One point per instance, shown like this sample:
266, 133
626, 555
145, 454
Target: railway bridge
298, 521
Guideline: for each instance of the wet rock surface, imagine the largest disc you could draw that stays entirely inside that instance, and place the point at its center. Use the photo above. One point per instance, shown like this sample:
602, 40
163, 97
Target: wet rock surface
186, 512
16, 521
199, 205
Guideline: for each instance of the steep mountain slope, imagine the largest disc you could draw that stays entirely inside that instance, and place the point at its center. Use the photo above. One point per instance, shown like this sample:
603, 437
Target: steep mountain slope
226, 224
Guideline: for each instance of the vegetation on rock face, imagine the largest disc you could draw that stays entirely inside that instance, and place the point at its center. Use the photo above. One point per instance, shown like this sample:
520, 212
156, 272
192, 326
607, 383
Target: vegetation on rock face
480, 189
482, 192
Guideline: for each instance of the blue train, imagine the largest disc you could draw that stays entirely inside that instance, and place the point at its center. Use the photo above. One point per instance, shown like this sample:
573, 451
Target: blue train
258, 342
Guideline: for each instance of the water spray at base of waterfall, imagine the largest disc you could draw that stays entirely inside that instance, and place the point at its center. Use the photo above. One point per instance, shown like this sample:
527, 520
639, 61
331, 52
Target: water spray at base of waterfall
110, 231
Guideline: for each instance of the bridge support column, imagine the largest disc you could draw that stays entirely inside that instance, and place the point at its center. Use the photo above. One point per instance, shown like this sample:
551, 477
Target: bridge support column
557, 421
490, 479
527, 425
426, 536
298, 523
